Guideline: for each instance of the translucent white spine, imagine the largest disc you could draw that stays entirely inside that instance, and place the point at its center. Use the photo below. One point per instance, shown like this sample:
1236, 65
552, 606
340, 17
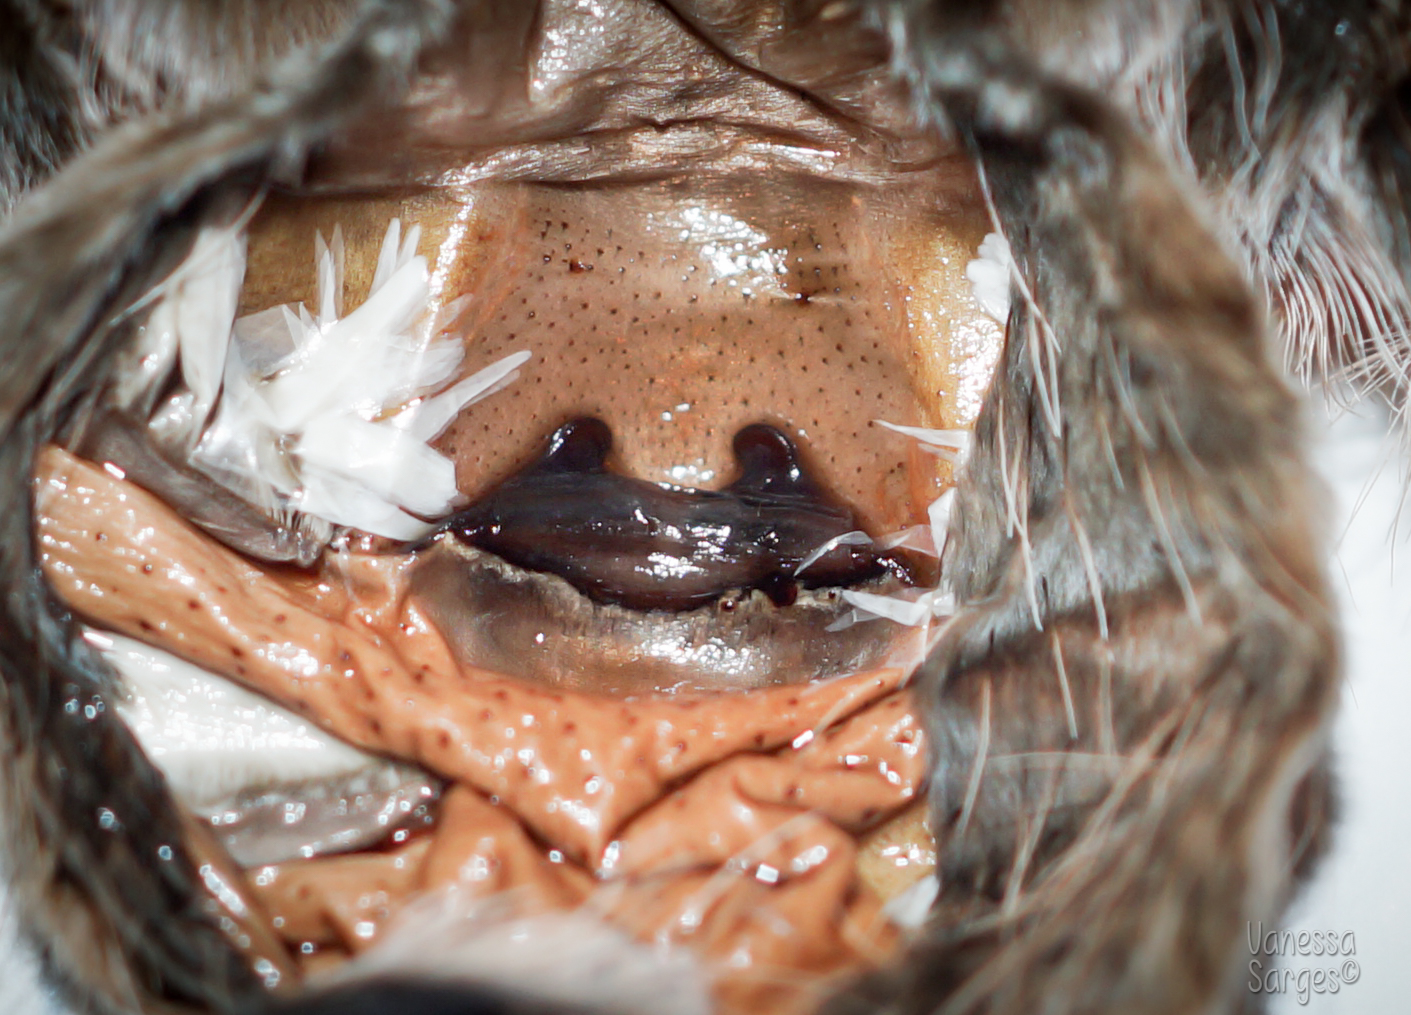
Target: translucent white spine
324, 415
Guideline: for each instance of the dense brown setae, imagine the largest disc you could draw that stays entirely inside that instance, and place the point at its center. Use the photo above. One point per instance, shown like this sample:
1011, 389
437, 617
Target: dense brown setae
1127, 719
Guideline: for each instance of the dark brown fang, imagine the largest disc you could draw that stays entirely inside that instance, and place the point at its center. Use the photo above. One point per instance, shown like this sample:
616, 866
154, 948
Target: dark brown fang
648, 547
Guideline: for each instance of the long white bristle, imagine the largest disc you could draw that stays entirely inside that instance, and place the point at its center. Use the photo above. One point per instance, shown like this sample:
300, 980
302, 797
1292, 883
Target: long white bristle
952, 445
854, 538
328, 416
989, 276
911, 908
910, 612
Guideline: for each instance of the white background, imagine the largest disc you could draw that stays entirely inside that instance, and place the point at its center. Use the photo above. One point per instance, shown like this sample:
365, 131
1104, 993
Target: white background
1364, 886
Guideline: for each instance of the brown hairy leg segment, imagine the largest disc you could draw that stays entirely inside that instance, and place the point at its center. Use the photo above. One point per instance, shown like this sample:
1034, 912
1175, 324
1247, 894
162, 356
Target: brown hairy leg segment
1141, 674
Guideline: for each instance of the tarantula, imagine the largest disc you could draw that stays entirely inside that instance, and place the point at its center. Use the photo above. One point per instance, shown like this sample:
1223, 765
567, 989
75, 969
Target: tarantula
1128, 658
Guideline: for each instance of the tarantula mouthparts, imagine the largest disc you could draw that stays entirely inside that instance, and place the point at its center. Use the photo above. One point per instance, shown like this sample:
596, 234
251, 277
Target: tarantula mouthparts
759, 506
